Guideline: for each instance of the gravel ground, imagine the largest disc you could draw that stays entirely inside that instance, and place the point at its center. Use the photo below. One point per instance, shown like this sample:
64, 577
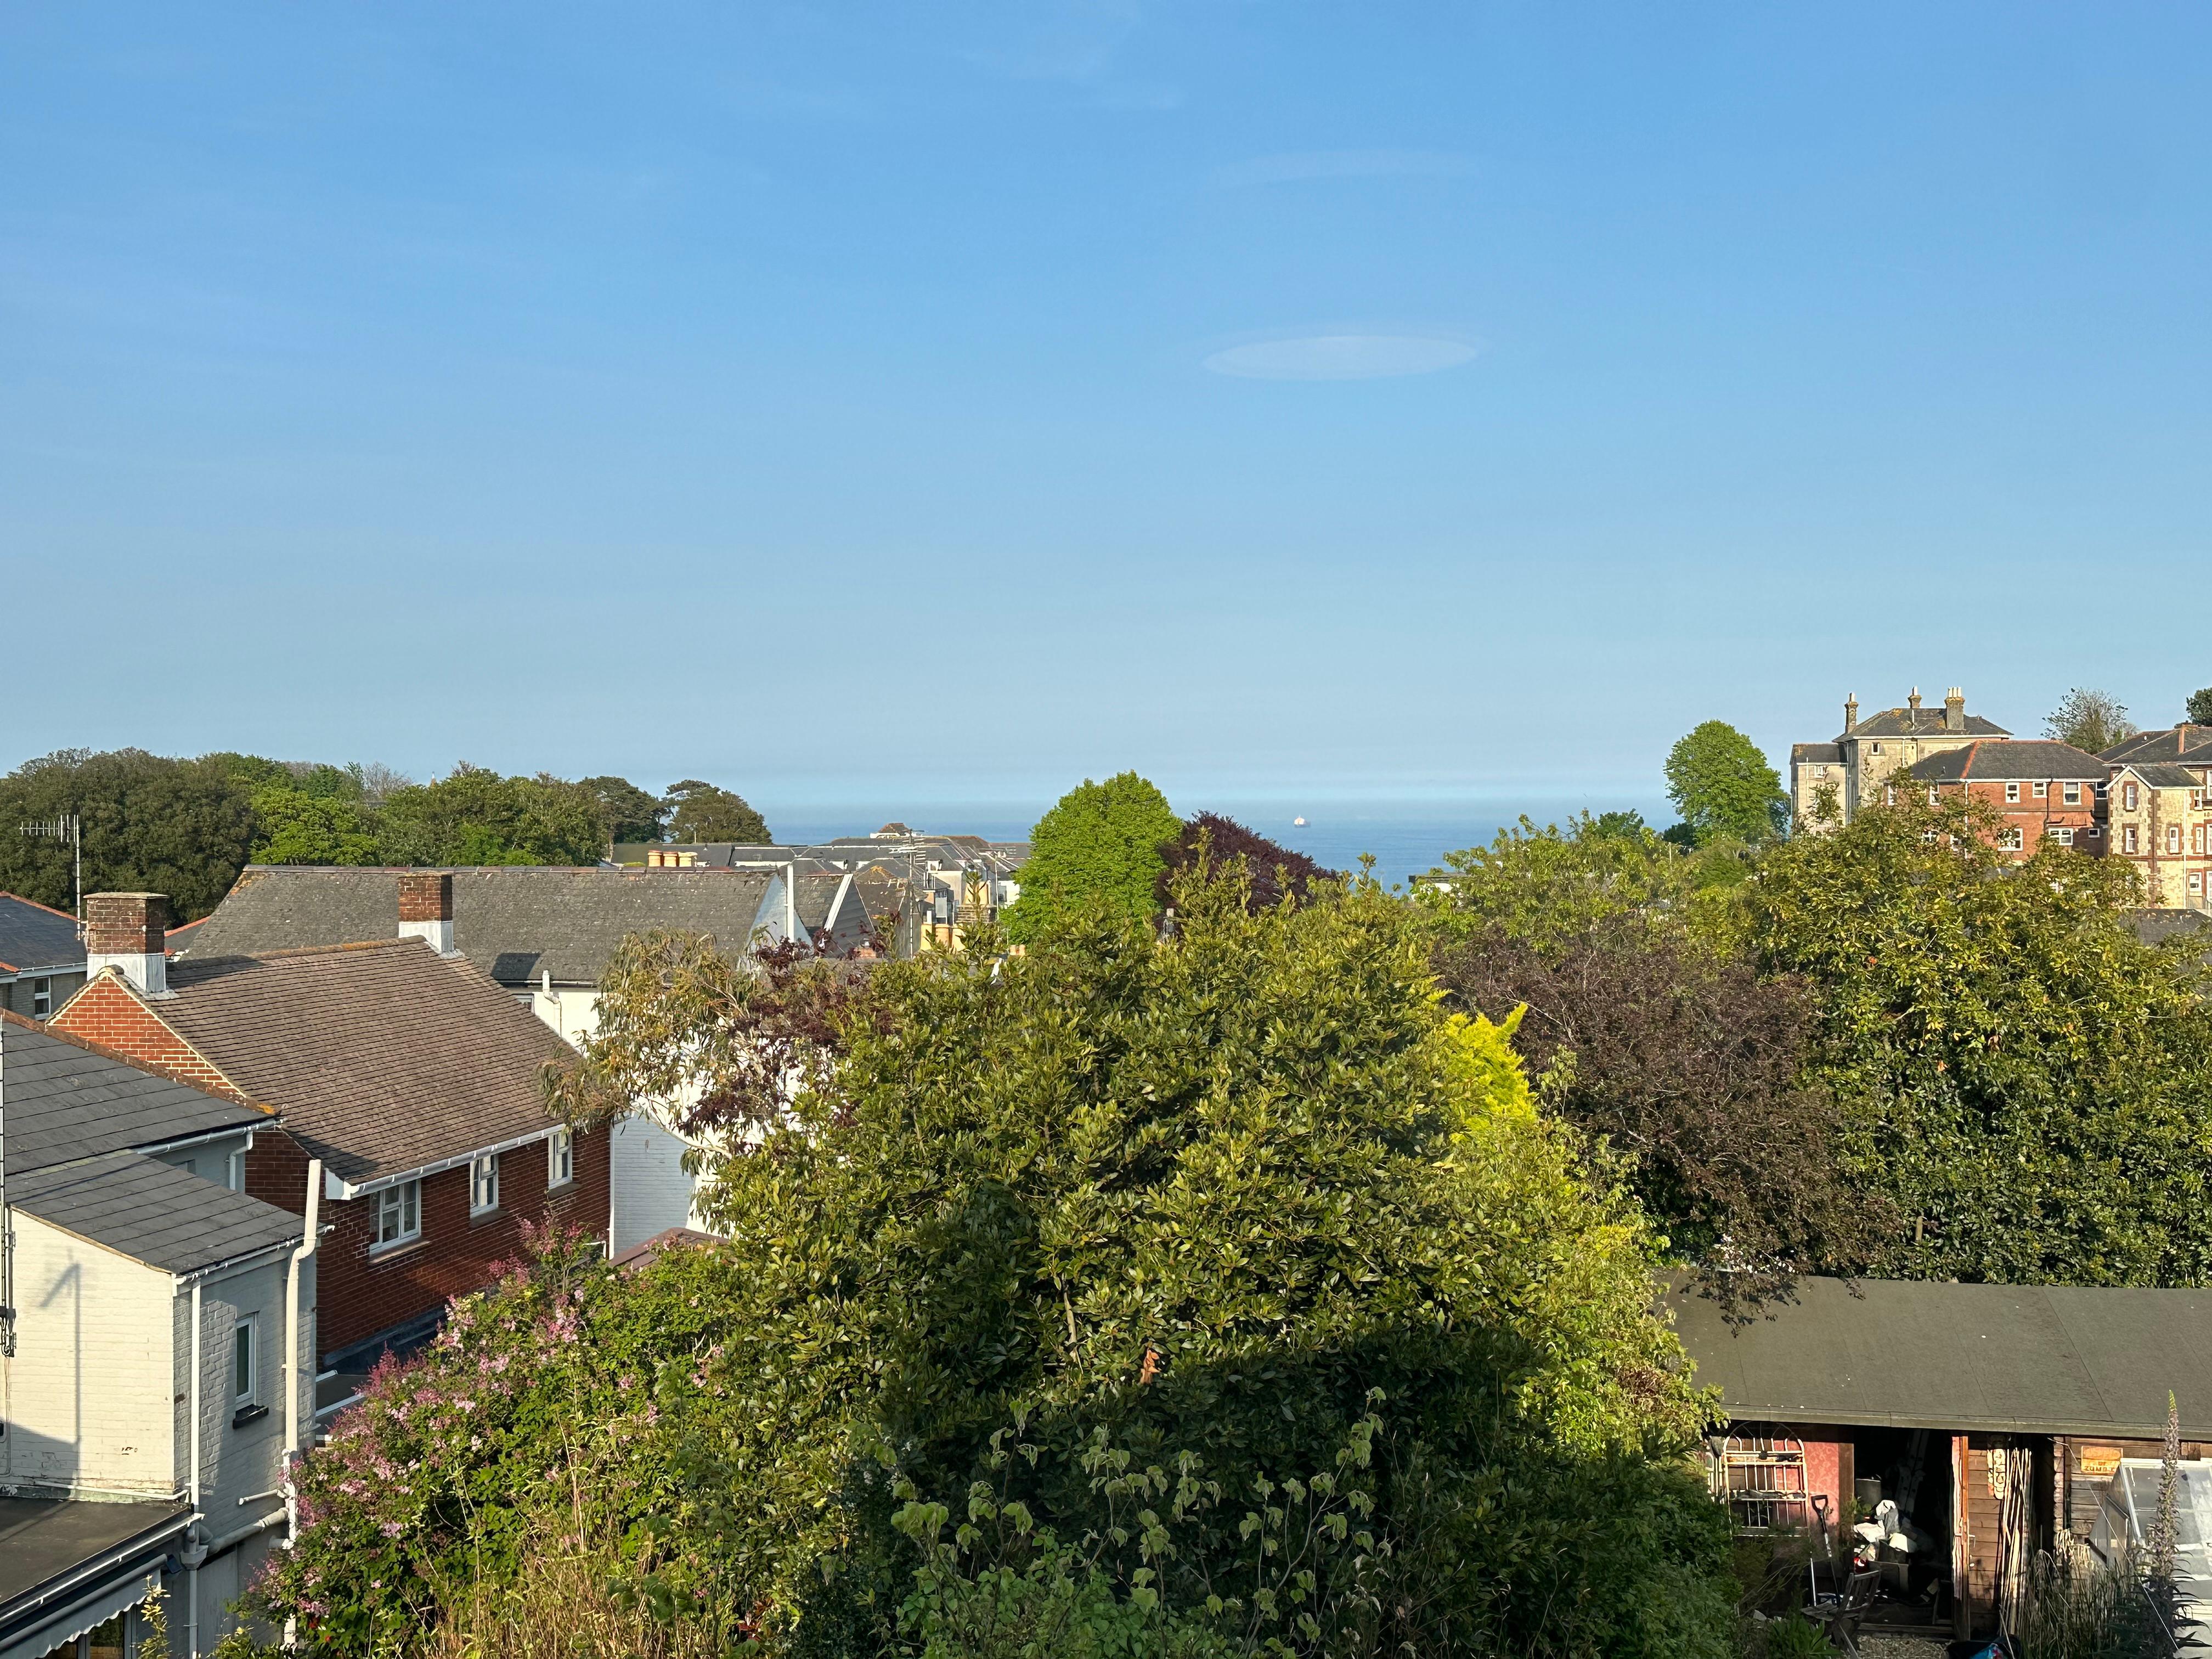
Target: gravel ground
1902, 1647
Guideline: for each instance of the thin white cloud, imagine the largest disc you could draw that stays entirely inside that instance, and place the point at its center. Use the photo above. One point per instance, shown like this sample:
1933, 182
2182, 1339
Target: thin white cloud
1342, 356
1345, 164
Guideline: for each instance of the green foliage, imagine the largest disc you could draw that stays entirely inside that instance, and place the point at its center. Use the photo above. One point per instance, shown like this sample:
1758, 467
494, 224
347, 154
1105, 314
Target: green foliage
1552, 886
701, 812
1205, 1195
1796, 1639
2075, 1607
1097, 853
627, 813
2089, 719
1621, 825
2023, 1079
1723, 788
474, 815
295, 827
180, 827
2199, 711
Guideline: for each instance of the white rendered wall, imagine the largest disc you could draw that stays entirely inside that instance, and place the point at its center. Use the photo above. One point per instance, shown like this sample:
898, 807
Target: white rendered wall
84, 1396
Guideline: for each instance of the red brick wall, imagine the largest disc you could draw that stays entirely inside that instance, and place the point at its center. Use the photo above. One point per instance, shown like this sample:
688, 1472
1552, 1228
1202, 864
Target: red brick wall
358, 1296
107, 1013
2034, 818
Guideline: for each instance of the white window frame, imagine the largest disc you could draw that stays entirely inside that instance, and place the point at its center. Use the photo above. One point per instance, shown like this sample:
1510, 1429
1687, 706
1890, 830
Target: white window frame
245, 1343
560, 1159
42, 998
234, 1172
2010, 839
2012, 793
2172, 841
1877, 749
2127, 836
1935, 796
2128, 796
2063, 834
401, 1206
2070, 794
2042, 791
2093, 832
483, 1184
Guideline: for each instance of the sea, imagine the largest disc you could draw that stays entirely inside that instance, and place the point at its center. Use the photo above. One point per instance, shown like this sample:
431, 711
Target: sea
1406, 837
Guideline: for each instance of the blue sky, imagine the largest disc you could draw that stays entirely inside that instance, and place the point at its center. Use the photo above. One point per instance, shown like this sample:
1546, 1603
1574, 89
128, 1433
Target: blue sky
956, 401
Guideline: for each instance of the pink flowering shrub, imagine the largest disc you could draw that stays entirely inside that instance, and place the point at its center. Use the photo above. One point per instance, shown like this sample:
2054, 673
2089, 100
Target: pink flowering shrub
545, 1406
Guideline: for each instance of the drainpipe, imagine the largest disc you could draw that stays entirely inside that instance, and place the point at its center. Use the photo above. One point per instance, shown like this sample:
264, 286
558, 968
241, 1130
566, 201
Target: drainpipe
195, 1551
302, 1254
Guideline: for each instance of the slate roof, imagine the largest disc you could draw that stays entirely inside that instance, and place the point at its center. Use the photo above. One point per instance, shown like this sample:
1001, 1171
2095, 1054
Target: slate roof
514, 923
2172, 744
382, 1057
68, 1100
32, 936
152, 1211
1802, 752
2164, 775
1924, 723
2012, 759
2154, 925
2033, 1358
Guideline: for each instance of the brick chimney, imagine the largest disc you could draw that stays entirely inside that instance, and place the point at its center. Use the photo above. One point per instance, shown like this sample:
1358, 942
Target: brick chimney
1954, 709
1851, 713
426, 908
129, 933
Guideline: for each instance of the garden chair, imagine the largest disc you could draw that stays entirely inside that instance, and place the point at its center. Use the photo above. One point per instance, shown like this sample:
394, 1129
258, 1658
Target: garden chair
1842, 1616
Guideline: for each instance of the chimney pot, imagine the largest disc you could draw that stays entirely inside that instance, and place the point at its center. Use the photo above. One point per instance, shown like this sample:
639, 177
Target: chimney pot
1850, 713
426, 908
1913, 702
129, 933
1954, 709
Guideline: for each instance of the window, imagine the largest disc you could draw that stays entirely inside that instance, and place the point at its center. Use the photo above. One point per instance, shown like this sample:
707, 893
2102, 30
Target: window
2103, 790
2012, 793
2070, 794
2042, 792
2127, 840
1932, 796
2195, 881
483, 1184
560, 1159
1889, 794
2093, 832
398, 1214
42, 998
244, 1377
2173, 838
2127, 797
1877, 749
2063, 835
2008, 840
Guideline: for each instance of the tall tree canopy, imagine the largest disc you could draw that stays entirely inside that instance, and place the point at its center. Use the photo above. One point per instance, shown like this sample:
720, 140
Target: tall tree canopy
1273, 869
2024, 1081
701, 812
474, 815
180, 827
1097, 852
1246, 1195
1652, 1027
2199, 711
627, 812
1723, 788
2090, 720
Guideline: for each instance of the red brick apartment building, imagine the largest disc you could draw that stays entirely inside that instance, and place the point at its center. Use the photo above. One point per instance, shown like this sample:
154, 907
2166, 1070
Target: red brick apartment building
2045, 791
408, 1070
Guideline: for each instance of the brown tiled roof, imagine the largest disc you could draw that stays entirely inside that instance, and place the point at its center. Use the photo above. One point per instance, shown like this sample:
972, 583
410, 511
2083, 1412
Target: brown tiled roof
381, 1057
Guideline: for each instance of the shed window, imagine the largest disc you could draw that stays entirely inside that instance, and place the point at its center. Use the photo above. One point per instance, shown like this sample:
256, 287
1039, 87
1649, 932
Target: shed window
398, 1213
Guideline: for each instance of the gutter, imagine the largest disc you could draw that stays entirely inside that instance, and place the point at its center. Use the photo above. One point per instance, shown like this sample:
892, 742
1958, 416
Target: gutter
336, 1187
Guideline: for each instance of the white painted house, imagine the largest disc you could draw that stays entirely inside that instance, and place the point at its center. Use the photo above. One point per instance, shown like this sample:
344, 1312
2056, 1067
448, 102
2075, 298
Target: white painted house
156, 1350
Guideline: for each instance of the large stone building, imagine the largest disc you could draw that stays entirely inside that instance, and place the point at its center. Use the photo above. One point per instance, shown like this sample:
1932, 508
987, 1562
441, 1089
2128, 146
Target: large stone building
1830, 781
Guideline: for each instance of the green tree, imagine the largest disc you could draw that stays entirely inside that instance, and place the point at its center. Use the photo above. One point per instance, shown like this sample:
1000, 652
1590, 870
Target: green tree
2023, 1080
628, 813
1722, 787
2199, 711
1097, 851
296, 827
1246, 1196
474, 815
2089, 719
150, 823
701, 812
